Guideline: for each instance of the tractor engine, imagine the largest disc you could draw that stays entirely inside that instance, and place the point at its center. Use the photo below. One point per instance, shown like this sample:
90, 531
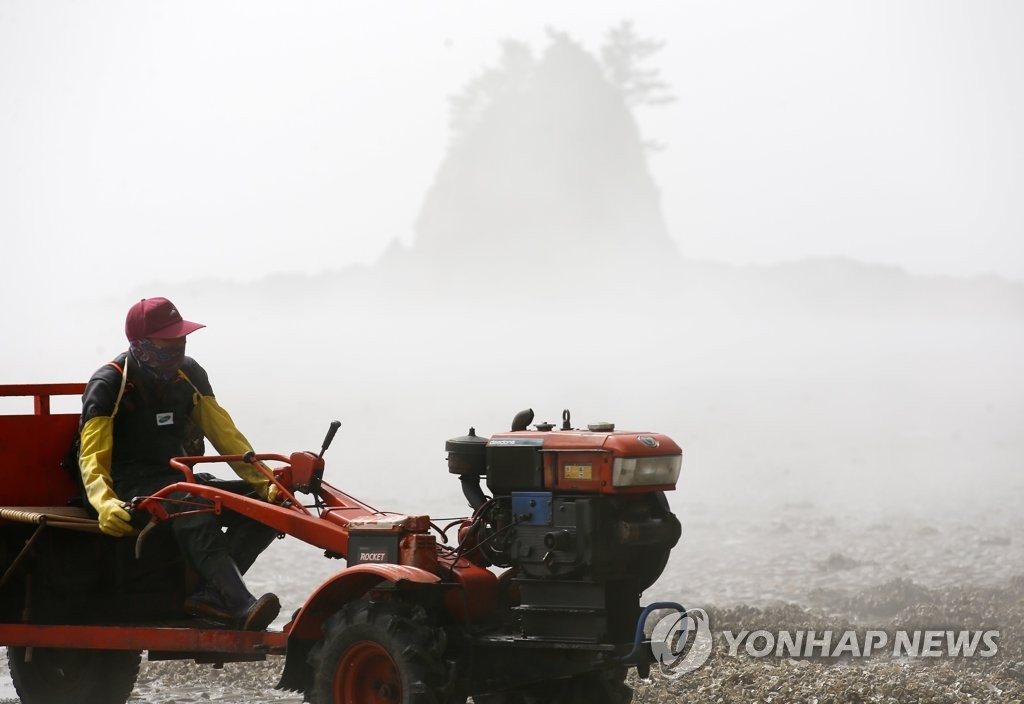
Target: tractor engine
578, 515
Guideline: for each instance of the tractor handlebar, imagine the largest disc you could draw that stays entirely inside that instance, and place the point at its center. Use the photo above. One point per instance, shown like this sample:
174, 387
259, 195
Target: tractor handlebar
185, 464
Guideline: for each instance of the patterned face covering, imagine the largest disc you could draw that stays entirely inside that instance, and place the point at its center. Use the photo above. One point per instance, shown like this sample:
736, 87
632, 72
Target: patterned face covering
161, 362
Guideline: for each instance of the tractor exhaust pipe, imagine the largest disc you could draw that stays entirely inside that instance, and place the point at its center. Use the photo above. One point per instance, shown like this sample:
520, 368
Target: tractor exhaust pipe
472, 491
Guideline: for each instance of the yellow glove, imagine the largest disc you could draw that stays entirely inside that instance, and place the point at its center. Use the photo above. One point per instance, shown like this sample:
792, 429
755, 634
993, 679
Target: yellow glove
253, 473
114, 520
94, 461
269, 492
216, 424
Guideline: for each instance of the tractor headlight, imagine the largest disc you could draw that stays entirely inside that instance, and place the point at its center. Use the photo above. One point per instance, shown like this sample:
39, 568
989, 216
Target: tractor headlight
646, 471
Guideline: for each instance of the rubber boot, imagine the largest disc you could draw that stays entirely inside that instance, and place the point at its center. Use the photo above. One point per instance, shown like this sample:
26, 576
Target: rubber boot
242, 609
245, 543
206, 603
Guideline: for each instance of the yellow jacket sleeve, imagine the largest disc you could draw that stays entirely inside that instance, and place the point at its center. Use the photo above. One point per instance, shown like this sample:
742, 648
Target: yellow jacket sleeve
97, 450
217, 426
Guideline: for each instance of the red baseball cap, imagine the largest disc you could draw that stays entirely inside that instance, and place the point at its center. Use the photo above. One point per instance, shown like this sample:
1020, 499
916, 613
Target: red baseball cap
157, 318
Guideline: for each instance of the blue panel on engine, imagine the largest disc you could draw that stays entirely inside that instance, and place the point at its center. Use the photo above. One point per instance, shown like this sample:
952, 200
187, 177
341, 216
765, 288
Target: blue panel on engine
532, 507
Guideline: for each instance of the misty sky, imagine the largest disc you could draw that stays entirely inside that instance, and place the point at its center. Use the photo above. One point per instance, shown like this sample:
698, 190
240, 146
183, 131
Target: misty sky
145, 141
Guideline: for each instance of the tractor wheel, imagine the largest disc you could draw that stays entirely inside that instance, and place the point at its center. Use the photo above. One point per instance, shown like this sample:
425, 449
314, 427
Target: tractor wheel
55, 675
378, 652
604, 687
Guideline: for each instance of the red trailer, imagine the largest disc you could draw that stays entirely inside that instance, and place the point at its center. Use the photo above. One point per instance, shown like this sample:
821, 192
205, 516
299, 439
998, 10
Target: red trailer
537, 601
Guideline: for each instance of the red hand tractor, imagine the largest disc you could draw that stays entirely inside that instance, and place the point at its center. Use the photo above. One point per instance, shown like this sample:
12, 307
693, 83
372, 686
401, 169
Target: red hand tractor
537, 599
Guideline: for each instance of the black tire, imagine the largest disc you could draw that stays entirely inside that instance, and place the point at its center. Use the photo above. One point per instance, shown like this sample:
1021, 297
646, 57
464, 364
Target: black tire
649, 561
378, 652
603, 687
59, 675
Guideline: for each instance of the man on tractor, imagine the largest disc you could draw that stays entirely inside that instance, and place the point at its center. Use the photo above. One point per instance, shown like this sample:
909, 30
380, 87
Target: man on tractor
137, 413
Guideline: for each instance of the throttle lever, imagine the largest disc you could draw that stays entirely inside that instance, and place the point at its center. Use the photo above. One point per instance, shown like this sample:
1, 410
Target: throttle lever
331, 432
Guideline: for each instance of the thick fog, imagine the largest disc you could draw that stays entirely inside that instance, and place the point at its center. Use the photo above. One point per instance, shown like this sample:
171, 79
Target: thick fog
806, 268
786, 234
